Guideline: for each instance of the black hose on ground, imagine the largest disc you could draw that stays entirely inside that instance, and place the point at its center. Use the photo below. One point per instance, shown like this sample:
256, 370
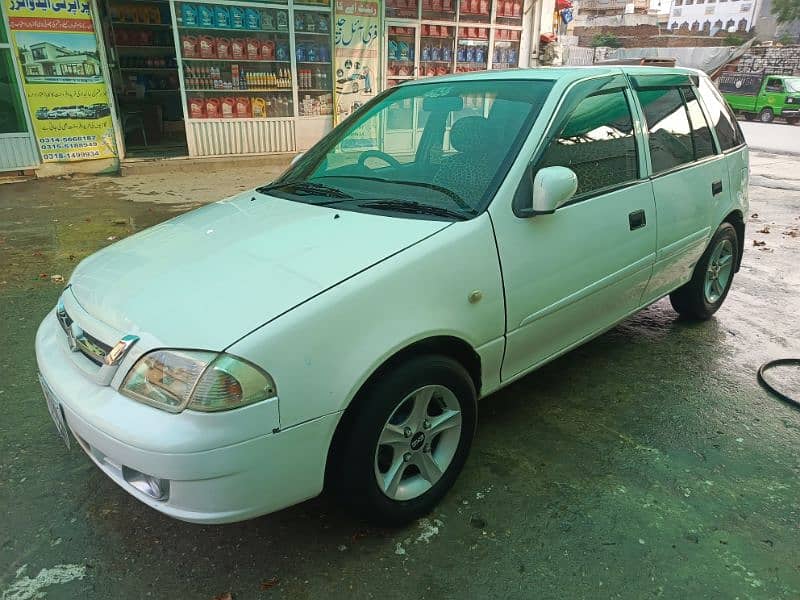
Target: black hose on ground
778, 362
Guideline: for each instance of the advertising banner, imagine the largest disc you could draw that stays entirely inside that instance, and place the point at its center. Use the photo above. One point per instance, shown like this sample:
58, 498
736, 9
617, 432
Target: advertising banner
356, 55
62, 78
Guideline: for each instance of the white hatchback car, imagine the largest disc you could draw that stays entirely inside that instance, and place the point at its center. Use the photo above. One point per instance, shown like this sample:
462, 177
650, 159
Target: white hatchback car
340, 324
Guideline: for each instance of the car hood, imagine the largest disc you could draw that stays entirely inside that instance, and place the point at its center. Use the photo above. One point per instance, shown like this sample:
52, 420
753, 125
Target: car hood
210, 276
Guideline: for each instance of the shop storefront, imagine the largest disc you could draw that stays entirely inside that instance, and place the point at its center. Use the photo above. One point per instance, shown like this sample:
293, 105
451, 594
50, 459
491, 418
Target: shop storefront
226, 77
17, 142
219, 78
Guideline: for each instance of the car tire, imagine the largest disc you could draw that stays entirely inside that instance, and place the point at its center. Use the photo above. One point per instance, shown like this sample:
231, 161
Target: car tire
766, 115
386, 465
793, 120
748, 116
713, 274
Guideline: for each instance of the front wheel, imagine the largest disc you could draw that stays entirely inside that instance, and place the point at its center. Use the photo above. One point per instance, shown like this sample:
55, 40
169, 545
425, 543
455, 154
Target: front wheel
705, 292
405, 440
766, 115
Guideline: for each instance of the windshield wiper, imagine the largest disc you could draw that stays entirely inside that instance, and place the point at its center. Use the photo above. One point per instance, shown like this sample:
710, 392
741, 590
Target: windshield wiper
305, 188
409, 206
424, 184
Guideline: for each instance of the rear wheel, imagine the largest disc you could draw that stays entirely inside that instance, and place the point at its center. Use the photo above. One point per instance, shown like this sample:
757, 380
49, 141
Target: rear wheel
705, 292
766, 115
747, 116
406, 440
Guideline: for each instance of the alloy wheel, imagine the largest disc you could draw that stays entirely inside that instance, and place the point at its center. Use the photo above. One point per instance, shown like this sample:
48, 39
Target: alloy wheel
418, 442
718, 274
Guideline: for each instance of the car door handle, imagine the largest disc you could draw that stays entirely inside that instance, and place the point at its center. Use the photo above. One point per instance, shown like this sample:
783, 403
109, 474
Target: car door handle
637, 220
716, 188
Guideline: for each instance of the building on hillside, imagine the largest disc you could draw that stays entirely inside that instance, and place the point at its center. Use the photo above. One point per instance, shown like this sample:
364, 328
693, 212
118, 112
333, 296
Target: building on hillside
712, 16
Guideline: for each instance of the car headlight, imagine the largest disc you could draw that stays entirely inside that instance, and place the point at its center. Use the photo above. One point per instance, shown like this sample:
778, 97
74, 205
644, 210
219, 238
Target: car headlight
198, 380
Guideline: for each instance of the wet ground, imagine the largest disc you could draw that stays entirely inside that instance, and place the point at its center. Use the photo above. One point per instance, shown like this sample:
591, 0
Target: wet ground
648, 463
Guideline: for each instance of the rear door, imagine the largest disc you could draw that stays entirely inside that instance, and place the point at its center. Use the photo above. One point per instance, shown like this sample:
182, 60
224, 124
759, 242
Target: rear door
569, 275
689, 176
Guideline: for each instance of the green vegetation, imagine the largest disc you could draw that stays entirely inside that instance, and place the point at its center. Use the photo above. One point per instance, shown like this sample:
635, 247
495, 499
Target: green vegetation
606, 39
732, 40
786, 10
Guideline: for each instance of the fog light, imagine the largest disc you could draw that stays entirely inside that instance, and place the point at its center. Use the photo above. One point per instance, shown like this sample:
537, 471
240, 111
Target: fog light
156, 488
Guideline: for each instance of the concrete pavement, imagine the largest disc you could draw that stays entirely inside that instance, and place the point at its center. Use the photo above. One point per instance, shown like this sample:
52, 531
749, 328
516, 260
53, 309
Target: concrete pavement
772, 137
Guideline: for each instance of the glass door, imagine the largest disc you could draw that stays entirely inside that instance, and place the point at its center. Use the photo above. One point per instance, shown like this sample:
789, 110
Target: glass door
437, 50
402, 56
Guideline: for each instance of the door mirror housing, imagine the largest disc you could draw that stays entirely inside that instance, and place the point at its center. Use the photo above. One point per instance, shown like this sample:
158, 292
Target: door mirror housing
552, 187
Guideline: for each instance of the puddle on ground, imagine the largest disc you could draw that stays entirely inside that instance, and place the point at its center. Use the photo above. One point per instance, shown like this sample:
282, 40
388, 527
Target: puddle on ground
47, 227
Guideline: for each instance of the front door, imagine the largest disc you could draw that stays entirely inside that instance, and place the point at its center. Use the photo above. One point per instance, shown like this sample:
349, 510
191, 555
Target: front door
574, 273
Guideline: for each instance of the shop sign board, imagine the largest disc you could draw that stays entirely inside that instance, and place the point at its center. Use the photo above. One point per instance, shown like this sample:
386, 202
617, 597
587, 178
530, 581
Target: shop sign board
62, 78
356, 56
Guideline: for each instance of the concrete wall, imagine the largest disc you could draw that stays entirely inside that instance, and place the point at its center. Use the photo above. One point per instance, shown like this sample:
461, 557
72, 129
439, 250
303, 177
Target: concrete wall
630, 20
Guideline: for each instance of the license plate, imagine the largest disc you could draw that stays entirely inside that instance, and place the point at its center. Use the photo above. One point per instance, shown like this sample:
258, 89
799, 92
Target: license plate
56, 412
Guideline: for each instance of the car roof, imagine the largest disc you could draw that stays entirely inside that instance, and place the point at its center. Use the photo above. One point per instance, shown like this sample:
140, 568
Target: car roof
561, 73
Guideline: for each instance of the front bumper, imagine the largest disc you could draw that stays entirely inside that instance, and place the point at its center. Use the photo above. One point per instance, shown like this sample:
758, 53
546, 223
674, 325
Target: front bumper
790, 112
220, 467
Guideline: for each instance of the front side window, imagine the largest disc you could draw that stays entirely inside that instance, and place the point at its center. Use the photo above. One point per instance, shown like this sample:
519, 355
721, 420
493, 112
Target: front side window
670, 137
727, 129
437, 149
701, 135
774, 85
597, 143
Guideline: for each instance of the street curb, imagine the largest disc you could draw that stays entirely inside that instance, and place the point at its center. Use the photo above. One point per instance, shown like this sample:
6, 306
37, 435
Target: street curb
773, 151
136, 166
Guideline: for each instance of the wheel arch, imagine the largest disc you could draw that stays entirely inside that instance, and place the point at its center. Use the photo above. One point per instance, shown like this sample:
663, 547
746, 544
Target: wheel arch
446, 345
736, 218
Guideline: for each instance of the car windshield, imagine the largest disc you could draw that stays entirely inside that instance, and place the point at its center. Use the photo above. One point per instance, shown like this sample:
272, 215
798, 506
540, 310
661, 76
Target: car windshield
792, 84
428, 150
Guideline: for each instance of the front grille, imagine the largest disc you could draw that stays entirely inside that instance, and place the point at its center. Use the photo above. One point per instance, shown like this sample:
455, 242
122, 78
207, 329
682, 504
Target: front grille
79, 340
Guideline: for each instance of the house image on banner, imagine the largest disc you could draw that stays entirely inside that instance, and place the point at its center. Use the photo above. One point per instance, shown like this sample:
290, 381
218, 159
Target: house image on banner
45, 62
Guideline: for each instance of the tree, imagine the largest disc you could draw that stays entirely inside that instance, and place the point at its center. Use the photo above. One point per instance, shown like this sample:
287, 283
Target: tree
786, 10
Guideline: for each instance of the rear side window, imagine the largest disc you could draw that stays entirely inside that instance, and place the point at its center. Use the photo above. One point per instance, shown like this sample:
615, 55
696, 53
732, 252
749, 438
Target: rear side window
670, 136
701, 135
726, 127
597, 143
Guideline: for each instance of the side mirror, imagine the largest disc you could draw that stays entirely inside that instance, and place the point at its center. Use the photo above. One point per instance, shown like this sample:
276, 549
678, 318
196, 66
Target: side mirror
295, 159
552, 187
